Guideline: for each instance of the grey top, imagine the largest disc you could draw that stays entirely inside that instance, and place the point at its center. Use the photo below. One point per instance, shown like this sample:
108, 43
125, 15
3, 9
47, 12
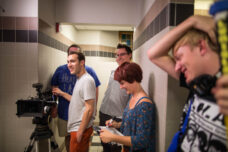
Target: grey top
115, 99
84, 90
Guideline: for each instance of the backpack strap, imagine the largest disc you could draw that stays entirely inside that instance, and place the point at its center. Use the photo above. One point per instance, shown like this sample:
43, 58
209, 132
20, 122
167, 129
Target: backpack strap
186, 117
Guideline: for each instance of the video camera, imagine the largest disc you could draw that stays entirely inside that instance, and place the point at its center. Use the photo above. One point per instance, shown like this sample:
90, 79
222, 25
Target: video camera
39, 106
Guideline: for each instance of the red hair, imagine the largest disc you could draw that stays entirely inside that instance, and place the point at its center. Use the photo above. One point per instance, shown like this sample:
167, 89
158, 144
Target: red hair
129, 72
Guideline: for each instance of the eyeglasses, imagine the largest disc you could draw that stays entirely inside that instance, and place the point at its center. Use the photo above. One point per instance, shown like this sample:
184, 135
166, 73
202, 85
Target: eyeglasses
120, 55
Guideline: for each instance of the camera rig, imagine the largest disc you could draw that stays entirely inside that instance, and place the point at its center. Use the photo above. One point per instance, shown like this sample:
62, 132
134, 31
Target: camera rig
36, 106
39, 108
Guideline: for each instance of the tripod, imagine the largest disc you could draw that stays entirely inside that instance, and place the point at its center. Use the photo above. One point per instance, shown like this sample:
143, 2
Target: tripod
41, 136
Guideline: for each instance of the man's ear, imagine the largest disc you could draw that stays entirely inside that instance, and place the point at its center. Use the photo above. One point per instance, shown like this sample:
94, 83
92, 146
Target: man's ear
82, 62
203, 47
131, 56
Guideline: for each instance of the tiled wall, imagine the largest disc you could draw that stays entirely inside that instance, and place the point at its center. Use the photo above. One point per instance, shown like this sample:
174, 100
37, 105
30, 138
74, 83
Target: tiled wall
47, 36
18, 29
98, 50
171, 15
19, 70
51, 42
165, 91
88, 50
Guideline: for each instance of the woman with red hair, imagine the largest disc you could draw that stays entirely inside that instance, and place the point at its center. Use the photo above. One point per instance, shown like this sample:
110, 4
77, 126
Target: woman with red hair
138, 123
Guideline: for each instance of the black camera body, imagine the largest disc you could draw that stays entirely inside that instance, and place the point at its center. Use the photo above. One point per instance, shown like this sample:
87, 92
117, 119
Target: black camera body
33, 107
202, 86
39, 106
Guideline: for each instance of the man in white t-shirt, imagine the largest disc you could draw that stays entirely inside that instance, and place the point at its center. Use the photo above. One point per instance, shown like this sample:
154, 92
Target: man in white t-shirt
82, 106
196, 63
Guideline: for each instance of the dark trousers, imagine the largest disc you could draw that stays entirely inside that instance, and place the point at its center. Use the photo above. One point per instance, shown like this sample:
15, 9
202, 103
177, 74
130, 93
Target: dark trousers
107, 147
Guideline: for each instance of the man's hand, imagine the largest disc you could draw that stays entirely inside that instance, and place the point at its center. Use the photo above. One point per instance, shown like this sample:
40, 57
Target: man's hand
79, 136
206, 24
56, 91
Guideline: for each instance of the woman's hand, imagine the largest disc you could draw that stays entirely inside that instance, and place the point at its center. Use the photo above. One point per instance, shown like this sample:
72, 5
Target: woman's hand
106, 136
112, 123
109, 122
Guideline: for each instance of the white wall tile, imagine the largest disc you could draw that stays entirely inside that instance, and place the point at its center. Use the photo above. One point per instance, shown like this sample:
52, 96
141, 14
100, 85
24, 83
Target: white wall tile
15, 83
103, 67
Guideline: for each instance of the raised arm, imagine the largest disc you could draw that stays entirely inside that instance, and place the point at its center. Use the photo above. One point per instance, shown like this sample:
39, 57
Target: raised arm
158, 53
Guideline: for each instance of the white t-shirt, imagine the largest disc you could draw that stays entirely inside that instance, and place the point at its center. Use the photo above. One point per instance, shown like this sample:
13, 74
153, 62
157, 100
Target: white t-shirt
205, 130
84, 90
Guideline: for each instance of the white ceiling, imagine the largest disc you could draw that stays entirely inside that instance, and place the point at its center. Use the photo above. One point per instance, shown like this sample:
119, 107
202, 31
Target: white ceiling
199, 4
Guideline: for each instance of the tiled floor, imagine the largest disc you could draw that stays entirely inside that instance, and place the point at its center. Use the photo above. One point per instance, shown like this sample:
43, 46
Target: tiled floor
96, 143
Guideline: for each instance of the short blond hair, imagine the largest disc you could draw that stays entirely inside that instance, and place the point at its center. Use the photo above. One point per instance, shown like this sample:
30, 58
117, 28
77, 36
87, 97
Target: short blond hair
192, 38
